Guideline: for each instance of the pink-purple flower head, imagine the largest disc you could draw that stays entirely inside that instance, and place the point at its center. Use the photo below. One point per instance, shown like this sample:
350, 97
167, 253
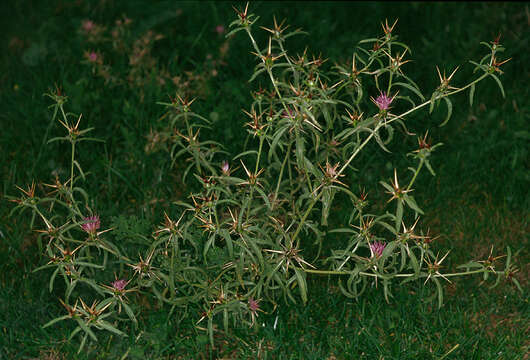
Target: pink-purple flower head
225, 168
377, 248
119, 285
93, 57
87, 25
91, 224
220, 29
253, 305
383, 101
290, 113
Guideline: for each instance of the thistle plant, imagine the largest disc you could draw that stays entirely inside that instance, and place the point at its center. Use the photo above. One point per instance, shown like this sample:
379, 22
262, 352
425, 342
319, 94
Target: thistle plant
255, 226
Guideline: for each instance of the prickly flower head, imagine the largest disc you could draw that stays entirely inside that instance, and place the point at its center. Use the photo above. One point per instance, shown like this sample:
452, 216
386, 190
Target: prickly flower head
119, 285
91, 224
377, 248
87, 25
383, 101
225, 168
253, 305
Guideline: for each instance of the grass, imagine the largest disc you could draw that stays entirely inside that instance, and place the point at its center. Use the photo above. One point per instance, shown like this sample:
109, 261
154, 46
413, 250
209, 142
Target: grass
479, 197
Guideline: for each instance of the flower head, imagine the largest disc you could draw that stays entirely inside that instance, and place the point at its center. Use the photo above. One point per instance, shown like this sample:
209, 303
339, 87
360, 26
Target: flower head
87, 25
93, 57
225, 168
119, 285
253, 305
220, 29
388, 29
377, 248
383, 101
91, 225
290, 113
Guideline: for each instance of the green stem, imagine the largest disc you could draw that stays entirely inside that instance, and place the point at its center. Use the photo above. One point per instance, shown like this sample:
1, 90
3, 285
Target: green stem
281, 174
415, 174
333, 272
72, 166
405, 114
389, 84
261, 138
268, 70
390, 66
306, 214
195, 151
62, 112
172, 271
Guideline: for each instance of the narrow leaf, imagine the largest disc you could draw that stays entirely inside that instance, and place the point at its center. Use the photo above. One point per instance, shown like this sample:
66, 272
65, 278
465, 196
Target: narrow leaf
302, 283
471, 94
500, 84
449, 111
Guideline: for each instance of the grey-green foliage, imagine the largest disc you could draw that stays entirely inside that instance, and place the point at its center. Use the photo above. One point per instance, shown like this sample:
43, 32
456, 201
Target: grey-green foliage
255, 230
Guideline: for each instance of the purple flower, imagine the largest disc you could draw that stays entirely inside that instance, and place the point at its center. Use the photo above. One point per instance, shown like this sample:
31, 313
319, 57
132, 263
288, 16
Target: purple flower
225, 168
91, 224
87, 25
383, 101
253, 305
93, 57
291, 113
377, 248
220, 29
119, 285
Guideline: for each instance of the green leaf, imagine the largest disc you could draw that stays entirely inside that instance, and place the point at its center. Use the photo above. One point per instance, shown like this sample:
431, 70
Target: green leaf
265, 197
302, 283
107, 326
380, 142
342, 230
409, 199
57, 139
440, 292
470, 265
399, 214
327, 200
431, 105
234, 31
428, 165
496, 282
386, 186
411, 88
471, 94
60, 318
386, 290
69, 288
256, 73
389, 250
82, 345
130, 313
225, 319
414, 263
276, 139
516, 282
210, 330
245, 153
86, 329
499, 83
508, 257
229, 244
370, 40
208, 244
52, 278
449, 110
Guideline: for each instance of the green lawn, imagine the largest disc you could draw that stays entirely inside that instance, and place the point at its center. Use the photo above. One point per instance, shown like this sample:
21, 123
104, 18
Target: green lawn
478, 199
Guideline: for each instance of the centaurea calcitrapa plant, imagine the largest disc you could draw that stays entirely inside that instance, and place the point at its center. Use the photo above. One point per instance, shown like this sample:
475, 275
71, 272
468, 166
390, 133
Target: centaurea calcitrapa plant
242, 243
